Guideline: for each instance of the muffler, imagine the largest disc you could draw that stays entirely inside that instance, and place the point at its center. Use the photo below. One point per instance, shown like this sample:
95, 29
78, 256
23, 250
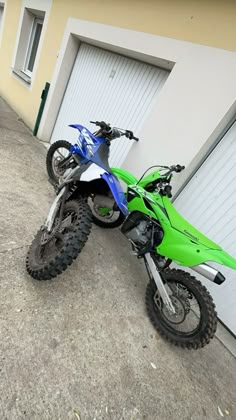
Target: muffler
209, 272
104, 201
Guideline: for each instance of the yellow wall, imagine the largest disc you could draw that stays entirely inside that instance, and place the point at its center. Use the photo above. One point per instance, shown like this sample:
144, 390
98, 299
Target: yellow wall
209, 22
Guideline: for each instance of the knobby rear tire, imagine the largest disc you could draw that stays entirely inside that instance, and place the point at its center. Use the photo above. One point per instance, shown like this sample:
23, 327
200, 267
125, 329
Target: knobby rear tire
57, 145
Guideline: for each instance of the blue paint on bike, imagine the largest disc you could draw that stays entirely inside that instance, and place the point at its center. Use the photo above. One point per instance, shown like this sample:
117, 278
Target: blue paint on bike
117, 192
96, 150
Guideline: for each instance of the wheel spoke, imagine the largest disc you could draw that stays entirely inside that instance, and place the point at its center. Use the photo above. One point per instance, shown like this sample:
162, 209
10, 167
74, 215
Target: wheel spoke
185, 319
58, 236
62, 155
67, 221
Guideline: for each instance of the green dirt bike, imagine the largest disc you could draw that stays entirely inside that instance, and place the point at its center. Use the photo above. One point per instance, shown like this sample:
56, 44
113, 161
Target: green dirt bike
178, 305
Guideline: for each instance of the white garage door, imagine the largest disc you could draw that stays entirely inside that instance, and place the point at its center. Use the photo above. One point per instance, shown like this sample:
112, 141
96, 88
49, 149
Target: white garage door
209, 203
109, 87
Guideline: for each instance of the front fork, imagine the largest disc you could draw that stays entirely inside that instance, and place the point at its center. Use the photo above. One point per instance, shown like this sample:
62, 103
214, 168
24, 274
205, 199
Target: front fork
157, 277
54, 208
69, 176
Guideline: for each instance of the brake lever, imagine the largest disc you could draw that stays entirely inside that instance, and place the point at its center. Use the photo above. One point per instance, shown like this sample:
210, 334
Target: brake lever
178, 168
130, 135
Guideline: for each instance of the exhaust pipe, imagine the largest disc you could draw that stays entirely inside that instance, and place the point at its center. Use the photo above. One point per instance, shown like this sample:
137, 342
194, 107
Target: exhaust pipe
209, 272
104, 201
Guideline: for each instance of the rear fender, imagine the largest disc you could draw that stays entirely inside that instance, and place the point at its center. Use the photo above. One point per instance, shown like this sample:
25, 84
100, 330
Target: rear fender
184, 251
222, 257
117, 192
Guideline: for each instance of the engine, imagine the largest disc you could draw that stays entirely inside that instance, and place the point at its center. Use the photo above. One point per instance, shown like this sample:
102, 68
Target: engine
141, 230
140, 234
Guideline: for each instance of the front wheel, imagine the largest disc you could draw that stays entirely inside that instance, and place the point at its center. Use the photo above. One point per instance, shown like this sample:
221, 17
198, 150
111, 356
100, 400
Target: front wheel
194, 322
50, 254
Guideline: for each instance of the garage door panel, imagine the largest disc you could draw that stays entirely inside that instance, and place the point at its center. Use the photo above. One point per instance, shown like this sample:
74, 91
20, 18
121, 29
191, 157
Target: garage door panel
209, 178
124, 118
210, 192
209, 203
223, 228
218, 218
107, 86
212, 212
203, 214
231, 245
210, 196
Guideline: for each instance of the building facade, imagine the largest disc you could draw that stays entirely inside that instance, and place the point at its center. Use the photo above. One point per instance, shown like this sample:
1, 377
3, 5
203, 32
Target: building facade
165, 69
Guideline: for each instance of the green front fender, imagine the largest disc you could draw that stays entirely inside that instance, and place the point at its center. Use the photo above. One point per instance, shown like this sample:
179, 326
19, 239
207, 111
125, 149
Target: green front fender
126, 176
181, 249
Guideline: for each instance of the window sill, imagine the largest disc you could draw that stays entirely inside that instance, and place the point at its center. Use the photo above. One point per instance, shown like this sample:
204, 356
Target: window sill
22, 75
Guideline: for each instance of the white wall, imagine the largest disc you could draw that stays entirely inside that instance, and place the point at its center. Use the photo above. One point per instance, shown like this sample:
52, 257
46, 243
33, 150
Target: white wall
195, 103
192, 109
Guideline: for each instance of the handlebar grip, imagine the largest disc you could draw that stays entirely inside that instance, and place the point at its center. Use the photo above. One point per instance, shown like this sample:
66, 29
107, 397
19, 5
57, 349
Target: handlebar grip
102, 125
179, 168
129, 134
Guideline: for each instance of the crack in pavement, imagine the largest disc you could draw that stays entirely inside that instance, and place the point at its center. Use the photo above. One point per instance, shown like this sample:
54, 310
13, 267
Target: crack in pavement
13, 249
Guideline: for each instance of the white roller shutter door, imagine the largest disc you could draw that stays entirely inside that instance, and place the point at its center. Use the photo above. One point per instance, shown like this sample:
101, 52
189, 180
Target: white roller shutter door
209, 203
109, 87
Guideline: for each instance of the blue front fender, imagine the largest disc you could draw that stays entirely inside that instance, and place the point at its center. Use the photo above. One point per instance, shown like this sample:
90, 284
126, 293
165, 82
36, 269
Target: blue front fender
117, 192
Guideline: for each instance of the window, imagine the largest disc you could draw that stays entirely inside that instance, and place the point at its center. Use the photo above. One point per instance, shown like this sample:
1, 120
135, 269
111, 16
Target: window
28, 43
33, 46
1, 12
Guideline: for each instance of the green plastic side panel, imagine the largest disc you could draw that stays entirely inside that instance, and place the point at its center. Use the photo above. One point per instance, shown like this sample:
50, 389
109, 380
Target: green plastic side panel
137, 204
179, 223
183, 249
182, 242
180, 249
154, 202
224, 258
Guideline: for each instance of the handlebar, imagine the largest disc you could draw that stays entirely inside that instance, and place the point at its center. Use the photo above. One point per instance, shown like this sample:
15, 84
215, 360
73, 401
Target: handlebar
114, 132
104, 126
177, 168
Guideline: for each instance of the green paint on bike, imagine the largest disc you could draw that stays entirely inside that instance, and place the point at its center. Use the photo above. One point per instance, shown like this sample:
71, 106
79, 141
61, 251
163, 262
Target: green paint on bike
103, 211
181, 242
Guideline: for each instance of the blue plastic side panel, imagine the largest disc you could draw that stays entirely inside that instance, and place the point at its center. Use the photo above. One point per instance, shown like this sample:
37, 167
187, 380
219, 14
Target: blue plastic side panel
117, 192
76, 150
88, 145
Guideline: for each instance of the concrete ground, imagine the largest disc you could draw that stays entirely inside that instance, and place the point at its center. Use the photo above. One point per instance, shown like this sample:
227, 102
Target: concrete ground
81, 346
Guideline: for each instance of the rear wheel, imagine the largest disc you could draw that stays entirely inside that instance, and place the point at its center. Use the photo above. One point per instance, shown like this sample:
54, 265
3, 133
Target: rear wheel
58, 160
195, 320
50, 254
105, 217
